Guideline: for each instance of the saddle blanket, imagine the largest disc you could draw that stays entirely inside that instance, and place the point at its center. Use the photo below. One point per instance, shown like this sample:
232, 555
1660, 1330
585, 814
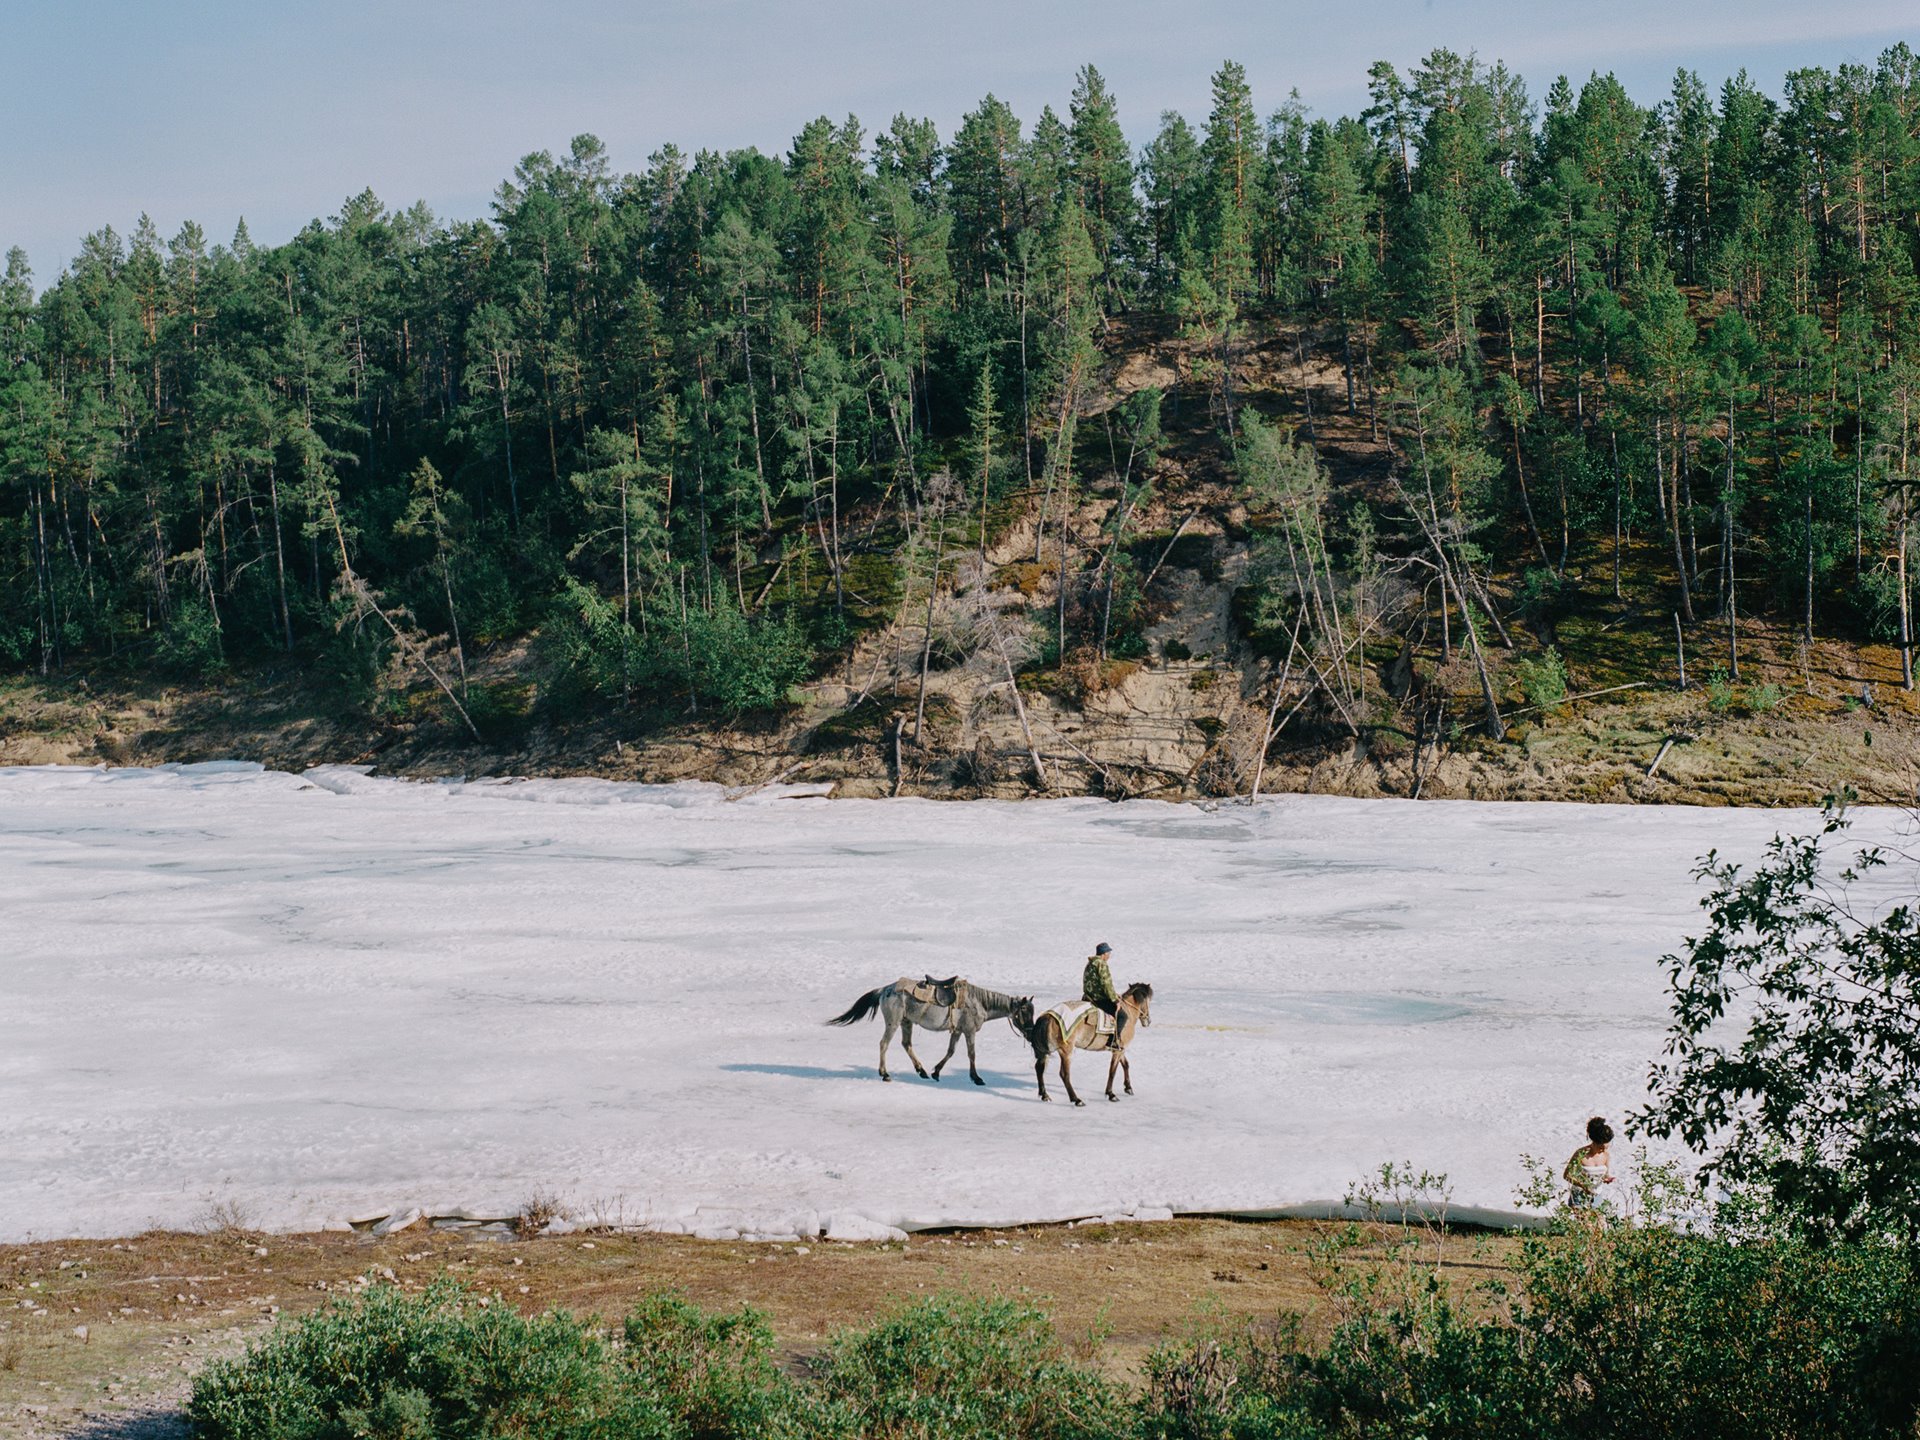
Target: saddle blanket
1071, 1012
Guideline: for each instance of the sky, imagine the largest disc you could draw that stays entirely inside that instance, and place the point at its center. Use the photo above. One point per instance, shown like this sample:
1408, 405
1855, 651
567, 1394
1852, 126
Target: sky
213, 110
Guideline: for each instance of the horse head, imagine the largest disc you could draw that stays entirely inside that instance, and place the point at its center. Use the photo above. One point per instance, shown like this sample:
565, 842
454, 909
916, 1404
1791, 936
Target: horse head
1140, 995
1021, 1015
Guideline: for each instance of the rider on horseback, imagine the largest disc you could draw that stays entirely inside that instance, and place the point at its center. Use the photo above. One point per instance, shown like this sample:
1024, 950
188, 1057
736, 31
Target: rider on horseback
1096, 982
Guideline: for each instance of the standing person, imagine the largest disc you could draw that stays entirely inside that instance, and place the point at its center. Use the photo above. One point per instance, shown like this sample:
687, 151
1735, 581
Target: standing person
1096, 982
1590, 1167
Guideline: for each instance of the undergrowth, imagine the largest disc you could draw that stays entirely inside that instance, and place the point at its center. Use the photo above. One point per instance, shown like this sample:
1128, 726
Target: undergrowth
1602, 1327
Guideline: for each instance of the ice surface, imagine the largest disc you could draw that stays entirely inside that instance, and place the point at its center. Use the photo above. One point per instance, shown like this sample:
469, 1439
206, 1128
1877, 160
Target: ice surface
332, 997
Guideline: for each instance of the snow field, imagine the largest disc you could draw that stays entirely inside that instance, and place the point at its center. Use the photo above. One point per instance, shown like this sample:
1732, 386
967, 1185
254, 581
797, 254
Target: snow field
326, 998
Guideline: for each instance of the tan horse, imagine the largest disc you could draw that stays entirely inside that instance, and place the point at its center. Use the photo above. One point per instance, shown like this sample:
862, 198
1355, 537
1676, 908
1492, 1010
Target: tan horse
1044, 1033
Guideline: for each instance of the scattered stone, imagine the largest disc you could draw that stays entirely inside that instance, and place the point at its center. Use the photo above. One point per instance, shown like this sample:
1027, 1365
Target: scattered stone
400, 1220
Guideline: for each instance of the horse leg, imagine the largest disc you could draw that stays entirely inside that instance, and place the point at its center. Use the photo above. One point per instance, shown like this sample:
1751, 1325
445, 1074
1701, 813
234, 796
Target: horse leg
973, 1068
1113, 1065
886, 1039
953, 1041
1066, 1074
906, 1044
1126, 1072
1040, 1073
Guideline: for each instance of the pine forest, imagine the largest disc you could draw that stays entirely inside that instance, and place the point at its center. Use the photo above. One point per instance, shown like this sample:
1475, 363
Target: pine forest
1404, 429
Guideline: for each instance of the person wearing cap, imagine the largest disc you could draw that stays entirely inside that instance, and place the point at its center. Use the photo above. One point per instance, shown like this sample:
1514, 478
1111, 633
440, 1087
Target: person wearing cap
1096, 981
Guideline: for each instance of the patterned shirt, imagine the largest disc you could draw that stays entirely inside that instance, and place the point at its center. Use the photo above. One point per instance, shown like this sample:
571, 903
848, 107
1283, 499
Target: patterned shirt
1096, 982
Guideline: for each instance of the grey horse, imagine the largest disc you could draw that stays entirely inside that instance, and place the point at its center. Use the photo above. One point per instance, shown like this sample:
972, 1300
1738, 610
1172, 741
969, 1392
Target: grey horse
954, 1005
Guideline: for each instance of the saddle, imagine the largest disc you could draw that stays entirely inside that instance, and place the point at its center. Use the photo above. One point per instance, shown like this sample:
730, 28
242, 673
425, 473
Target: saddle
1072, 1012
946, 993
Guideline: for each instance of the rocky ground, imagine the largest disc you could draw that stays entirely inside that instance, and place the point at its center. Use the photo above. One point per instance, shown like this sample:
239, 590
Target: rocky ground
1159, 728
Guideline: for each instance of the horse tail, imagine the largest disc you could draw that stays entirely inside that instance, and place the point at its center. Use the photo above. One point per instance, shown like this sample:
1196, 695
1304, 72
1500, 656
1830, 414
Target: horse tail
860, 1009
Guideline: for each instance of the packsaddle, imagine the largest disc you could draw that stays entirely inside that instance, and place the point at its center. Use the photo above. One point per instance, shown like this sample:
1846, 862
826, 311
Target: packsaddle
947, 993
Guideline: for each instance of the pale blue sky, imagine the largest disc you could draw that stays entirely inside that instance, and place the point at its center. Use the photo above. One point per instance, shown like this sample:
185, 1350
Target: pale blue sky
211, 109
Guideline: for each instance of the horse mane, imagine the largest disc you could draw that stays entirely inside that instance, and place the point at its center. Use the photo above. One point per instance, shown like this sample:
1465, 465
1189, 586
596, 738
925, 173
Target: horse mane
992, 997
1140, 990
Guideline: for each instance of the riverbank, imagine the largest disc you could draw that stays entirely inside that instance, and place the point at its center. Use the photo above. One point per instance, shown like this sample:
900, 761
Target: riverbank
105, 1336
1779, 738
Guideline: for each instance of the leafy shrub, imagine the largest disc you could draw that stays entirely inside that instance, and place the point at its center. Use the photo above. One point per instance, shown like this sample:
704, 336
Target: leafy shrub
1543, 681
1615, 1332
1543, 596
1792, 1053
1875, 602
967, 1369
17, 642
1762, 698
499, 712
391, 1366
715, 1376
1719, 691
446, 1366
1699, 1336
720, 658
190, 642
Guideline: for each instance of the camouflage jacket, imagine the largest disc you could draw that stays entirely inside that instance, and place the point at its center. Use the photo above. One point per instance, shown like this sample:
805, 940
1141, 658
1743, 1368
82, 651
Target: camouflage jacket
1096, 982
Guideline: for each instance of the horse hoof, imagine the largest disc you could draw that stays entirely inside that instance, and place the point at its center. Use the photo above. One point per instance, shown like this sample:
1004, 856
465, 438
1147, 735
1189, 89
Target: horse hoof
978, 1081
1114, 1098
935, 1077
1081, 1103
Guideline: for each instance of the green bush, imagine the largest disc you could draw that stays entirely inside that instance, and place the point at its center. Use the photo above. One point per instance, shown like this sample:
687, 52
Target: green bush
1719, 691
392, 1366
190, 642
1762, 698
720, 659
968, 1369
444, 1365
1614, 1333
499, 712
1543, 596
1543, 681
716, 1376
1698, 1336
